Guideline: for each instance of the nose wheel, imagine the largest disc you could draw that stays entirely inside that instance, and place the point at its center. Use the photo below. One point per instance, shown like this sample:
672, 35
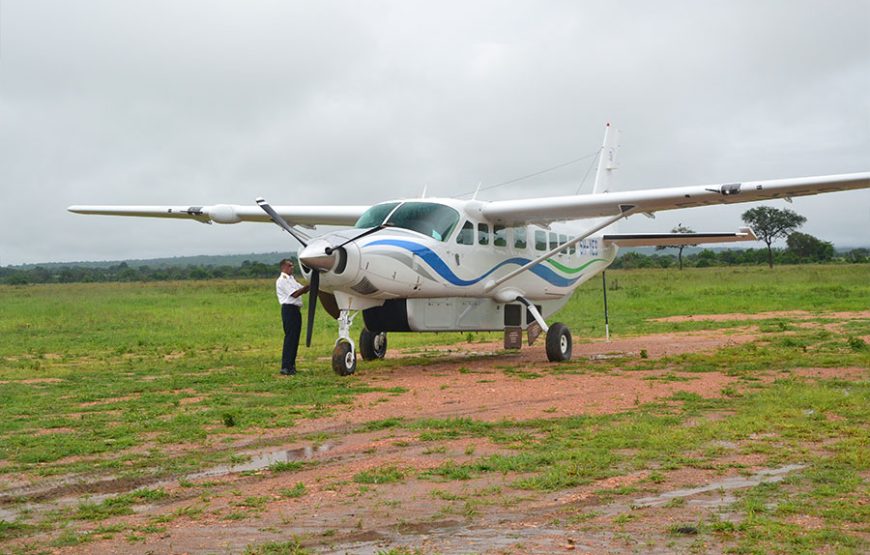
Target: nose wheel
343, 359
344, 353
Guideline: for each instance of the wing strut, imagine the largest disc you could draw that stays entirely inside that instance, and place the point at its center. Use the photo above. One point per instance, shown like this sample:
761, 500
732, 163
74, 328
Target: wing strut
625, 210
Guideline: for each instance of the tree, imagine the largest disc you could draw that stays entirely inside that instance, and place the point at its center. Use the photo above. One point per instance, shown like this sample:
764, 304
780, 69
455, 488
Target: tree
806, 247
679, 229
770, 224
858, 255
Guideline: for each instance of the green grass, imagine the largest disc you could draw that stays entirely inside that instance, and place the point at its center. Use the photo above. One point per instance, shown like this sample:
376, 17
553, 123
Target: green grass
291, 547
297, 490
383, 475
114, 378
785, 419
117, 505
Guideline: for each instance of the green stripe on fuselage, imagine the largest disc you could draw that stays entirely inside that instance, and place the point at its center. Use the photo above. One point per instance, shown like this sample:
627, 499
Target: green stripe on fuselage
567, 270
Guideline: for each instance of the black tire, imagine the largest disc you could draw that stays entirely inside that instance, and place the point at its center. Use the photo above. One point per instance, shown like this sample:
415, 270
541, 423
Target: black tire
558, 343
372, 345
343, 359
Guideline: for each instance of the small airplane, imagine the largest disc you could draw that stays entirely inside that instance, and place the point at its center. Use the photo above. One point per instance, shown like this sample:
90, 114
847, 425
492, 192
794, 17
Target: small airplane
443, 264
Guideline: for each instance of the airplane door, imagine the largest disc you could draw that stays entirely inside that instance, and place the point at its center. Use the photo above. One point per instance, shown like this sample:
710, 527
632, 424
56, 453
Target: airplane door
461, 247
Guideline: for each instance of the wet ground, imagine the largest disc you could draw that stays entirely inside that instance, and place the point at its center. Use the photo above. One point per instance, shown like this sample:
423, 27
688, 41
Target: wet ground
237, 507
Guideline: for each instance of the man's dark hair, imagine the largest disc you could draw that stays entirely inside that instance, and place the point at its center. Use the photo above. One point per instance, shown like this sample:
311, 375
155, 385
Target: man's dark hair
285, 261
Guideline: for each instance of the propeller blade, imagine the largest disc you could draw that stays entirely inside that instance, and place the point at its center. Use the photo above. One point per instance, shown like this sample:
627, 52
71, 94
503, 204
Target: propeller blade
330, 250
329, 304
298, 235
312, 304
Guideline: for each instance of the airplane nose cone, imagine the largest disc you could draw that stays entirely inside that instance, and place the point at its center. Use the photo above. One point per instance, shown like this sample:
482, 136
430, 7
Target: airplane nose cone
314, 256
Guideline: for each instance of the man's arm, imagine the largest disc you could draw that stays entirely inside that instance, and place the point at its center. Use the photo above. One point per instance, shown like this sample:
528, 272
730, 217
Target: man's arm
301, 291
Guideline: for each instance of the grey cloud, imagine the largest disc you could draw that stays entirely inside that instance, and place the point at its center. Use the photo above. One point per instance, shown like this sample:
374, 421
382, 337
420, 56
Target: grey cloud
346, 102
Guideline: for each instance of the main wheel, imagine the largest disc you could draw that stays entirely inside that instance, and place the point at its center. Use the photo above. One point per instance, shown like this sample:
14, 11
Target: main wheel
372, 345
558, 343
343, 359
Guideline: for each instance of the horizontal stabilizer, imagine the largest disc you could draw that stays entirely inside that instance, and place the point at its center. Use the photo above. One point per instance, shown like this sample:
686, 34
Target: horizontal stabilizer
677, 239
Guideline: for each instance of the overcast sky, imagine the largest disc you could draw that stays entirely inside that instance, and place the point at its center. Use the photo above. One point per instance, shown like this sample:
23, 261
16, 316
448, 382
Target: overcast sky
358, 102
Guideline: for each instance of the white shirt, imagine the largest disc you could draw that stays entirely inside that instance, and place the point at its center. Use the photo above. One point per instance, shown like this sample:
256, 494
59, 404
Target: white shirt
285, 286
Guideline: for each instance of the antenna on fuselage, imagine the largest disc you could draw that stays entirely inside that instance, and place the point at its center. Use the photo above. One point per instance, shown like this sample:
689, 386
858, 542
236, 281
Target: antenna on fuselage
474, 196
425, 188
605, 178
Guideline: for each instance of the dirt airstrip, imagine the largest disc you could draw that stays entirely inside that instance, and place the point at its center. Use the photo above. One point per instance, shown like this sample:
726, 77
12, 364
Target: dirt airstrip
230, 509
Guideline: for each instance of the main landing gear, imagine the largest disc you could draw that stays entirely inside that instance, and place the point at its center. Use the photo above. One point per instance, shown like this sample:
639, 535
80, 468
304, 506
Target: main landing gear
558, 335
372, 345
558, 343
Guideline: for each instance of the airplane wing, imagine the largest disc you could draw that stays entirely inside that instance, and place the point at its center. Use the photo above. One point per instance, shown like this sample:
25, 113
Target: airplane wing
677, 239
235, 213
552, 209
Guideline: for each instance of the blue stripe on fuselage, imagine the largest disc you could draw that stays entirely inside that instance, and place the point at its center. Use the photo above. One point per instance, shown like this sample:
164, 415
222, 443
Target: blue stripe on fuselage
433, 260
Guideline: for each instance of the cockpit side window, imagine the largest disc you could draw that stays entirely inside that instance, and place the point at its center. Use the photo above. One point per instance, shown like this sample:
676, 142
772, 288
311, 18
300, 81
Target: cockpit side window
466, 234
375, 215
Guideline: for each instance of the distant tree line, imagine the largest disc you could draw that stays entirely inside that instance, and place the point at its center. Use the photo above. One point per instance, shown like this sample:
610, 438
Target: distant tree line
803, 249
124, 272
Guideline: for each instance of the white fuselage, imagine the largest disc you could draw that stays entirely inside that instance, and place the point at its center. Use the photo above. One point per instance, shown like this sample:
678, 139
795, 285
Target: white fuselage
396, 262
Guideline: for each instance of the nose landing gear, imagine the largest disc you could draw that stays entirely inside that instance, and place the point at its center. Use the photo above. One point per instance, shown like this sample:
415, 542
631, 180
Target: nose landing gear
344, 353
343, 358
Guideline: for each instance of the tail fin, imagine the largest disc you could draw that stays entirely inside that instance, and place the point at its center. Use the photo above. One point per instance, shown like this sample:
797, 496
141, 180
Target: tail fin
605, 178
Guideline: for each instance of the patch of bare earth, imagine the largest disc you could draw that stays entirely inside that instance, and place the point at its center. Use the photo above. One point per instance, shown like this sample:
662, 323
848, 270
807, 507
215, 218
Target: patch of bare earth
790, 314
340, 512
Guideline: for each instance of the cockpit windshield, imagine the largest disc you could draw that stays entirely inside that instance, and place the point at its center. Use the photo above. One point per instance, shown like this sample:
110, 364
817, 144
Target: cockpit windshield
430, 219
375, 215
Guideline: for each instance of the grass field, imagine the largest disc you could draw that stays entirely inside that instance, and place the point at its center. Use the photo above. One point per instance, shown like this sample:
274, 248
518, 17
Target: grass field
142, 380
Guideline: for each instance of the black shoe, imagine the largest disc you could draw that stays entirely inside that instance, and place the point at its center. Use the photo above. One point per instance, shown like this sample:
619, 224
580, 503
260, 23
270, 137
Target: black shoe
288, 372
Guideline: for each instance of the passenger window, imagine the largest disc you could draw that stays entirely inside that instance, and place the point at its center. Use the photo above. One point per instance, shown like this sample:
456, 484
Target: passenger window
573, 247
499, 236
540, 240
483, 234
554, 240
520, 238
466, 234
562, 240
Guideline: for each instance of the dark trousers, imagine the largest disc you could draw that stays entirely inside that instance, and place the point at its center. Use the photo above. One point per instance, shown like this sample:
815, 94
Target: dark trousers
292, 319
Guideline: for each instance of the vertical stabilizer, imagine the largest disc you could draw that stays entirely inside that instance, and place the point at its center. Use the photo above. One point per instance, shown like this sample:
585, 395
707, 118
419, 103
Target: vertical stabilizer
605, 178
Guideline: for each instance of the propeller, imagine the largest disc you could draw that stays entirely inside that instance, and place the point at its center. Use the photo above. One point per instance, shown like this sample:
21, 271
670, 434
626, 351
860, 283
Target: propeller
282, 223
314, 292
330, 250
314, 285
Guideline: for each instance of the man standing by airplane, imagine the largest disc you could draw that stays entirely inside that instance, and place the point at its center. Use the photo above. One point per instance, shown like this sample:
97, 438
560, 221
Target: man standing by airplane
290, 294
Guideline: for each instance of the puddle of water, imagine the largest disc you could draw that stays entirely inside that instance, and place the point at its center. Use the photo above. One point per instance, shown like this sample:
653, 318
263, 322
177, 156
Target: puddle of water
610, 356
258, 461
262, 460
463, 540
736, 482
